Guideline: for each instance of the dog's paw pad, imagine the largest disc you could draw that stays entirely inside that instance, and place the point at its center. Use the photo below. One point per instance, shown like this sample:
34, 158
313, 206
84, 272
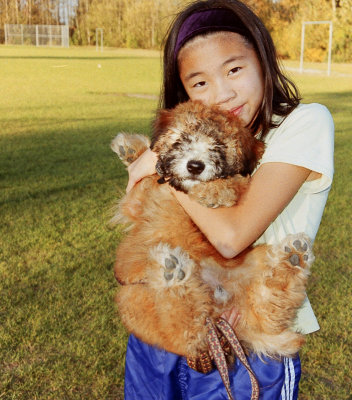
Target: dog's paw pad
171, 263
168, 275
181, 275
170, 266
287, 249
294, 259
122, 151
300, 245
298, 250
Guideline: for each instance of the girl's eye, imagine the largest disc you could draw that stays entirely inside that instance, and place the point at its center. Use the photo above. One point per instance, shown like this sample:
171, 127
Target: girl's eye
234, 70
199, 84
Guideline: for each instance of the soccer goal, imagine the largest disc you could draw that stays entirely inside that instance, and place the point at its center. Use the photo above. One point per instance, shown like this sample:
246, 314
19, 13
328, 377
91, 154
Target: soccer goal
302, 42
37, 35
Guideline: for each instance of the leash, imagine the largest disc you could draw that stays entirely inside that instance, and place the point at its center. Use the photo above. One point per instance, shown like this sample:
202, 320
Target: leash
219, 357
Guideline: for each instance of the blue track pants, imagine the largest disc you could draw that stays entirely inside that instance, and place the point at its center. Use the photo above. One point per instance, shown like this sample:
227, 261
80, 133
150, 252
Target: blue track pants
154, 374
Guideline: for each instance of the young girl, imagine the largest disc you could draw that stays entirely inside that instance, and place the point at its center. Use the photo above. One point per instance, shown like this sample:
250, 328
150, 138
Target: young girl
219, 52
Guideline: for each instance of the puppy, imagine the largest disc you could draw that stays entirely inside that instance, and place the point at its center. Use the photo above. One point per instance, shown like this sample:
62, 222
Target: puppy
171, 277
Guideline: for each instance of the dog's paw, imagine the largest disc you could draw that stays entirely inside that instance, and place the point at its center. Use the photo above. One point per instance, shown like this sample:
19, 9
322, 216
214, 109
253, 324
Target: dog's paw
128, 147
220, 192
175, 266
212, 194
120, 145
296, 249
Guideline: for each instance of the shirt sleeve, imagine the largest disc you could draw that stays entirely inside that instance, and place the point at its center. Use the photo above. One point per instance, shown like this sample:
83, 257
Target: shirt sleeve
305, 138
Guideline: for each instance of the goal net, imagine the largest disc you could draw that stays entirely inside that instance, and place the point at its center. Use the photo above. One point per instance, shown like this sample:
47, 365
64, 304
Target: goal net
37, 35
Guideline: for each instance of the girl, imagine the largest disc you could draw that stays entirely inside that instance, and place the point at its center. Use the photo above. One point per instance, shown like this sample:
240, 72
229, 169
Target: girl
219, 52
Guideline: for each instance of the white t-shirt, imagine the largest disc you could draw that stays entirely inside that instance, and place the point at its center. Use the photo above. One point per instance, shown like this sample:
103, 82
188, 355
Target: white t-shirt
305, 138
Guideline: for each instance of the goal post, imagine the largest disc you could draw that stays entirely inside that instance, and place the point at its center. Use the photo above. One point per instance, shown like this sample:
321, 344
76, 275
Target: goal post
37, 35
99, 39
304, 23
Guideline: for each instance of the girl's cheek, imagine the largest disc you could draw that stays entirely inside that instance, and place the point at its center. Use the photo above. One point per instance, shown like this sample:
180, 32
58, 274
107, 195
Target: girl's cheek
206, 100
200, 95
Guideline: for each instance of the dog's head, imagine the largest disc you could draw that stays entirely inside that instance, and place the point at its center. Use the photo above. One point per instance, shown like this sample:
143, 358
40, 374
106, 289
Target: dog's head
196, 143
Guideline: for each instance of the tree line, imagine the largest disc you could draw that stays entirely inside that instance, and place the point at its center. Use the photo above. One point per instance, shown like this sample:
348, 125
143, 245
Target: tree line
143, 23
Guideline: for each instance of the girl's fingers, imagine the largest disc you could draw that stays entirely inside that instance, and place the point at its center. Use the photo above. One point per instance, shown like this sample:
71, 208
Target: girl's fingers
130, 184
140, 168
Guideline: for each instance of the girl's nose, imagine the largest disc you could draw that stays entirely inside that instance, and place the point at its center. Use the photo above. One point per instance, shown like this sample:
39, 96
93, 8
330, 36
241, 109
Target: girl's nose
224, 93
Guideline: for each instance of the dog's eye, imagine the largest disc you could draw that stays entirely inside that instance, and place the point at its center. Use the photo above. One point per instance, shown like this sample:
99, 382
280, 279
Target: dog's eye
218, 148
176, 145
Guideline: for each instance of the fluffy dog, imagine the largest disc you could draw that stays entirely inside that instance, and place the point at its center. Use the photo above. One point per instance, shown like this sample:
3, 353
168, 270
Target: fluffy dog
171, 277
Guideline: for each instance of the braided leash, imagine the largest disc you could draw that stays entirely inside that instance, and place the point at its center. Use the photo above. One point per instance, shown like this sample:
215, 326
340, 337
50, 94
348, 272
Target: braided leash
230, 335
219, 356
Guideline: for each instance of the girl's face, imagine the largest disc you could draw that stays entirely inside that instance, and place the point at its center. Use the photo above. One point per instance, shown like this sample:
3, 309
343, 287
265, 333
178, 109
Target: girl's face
223, 69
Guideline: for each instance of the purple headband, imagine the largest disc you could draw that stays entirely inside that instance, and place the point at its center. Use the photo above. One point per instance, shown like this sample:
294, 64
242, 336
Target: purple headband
212, 19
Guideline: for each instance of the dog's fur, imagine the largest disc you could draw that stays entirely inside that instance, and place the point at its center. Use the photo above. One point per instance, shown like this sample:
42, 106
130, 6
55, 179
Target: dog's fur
172, 278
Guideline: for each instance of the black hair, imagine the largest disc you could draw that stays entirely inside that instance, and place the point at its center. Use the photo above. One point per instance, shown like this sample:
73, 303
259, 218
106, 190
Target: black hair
281, 96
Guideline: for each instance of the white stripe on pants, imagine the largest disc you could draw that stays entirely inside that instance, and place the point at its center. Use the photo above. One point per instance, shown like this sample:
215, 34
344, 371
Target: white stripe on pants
289, 384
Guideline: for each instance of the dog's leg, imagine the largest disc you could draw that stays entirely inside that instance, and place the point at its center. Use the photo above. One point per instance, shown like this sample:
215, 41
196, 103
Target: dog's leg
168, 318
219, 193
129, 147
161, 266
277, 277
278, 281
175, 267
289, 268
168, 309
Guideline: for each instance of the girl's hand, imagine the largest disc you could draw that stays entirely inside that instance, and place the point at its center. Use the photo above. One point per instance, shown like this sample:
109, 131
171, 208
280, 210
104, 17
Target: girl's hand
140, 168
232, 316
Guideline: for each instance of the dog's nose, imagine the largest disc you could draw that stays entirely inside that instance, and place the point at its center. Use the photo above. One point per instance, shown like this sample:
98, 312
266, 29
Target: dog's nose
195, 167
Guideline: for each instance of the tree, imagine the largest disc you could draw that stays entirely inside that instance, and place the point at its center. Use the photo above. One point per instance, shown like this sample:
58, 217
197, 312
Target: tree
343, 30
143, 23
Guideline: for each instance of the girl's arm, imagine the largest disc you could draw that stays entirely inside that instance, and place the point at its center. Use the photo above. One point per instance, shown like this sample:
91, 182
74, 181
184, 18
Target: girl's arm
231, 230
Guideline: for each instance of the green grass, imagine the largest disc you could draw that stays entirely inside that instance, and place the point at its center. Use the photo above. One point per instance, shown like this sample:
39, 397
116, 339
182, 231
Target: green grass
327, 357
60, 337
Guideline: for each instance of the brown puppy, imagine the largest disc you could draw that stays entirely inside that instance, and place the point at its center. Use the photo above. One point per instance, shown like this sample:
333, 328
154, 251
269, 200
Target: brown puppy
172, 278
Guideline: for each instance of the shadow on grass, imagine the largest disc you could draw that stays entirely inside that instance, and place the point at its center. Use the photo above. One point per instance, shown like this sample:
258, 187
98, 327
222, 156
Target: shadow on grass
36, 166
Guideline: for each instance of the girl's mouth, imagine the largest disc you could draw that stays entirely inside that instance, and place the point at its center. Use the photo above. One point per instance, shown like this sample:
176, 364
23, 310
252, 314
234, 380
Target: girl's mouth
237, 111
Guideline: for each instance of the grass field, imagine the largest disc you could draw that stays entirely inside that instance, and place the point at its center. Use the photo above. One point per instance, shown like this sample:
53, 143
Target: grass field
60, 337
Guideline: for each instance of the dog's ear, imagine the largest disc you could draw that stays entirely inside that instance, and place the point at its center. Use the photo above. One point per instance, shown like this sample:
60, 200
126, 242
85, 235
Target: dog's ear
161, 124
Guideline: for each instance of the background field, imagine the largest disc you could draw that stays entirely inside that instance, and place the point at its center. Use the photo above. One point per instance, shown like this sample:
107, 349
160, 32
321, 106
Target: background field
60, 337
